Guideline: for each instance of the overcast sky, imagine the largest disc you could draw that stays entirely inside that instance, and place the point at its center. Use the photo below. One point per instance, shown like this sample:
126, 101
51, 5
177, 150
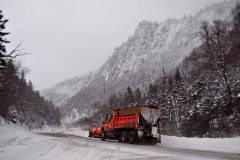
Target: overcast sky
72, 37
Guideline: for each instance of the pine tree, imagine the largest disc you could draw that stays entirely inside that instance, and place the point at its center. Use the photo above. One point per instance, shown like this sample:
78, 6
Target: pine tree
138, 96
114, 101
3, 41
129, 96
178, 77
30, 86
152, 91
153, 98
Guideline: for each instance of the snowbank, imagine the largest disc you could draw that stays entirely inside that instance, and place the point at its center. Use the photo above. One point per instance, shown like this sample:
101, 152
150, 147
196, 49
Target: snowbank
224, 145
15, 140
10, 133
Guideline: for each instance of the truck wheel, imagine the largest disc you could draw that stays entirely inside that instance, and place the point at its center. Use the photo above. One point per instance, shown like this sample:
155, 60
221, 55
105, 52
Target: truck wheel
103, 136
123, 136
132, 137
154, 140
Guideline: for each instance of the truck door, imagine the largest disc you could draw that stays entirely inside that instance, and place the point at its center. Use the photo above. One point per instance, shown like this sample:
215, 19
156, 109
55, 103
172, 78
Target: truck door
107, 122
112, 122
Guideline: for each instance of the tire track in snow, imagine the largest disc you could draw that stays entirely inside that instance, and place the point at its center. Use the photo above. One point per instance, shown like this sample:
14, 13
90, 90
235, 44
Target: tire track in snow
112, 149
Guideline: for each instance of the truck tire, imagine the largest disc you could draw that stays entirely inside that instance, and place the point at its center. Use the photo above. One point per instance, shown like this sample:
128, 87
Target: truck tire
103, 136
132, 137
123, 136
154, 140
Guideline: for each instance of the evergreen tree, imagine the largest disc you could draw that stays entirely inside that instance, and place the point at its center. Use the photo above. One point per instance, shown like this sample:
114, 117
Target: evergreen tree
153, 98
114, 101
138, 96
178, 77
152, 91
129, 96
3, 41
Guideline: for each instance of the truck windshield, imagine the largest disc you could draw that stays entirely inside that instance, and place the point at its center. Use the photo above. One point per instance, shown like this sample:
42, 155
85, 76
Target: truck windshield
108, 117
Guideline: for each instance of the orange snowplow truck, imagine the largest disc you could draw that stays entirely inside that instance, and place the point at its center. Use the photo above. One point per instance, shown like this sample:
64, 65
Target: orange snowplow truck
133, 125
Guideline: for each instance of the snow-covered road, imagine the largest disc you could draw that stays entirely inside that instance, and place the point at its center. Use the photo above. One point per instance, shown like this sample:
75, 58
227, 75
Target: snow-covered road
17, 143
79, 147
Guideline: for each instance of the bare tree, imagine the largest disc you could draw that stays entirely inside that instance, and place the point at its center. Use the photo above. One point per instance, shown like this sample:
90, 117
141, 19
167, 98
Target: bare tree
16, 52
217, 44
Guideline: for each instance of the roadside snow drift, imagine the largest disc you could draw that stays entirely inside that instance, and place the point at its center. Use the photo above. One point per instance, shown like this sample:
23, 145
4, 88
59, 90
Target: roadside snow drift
224, 145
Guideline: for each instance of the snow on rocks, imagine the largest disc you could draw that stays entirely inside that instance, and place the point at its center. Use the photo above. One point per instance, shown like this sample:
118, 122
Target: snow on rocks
238, 96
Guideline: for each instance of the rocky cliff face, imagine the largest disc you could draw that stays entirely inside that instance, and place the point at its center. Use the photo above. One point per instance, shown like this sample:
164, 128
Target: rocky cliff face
165, 44
139, 60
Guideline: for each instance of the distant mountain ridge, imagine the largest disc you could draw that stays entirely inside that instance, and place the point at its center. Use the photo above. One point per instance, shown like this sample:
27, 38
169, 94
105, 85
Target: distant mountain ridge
138, 61
63, 91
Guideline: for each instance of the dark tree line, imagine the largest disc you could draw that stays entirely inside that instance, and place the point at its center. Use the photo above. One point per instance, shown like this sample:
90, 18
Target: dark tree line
19, 102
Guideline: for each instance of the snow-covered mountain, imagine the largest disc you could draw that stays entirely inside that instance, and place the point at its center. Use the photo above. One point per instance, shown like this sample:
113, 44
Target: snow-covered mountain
163, 44
139, 60
62, 92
